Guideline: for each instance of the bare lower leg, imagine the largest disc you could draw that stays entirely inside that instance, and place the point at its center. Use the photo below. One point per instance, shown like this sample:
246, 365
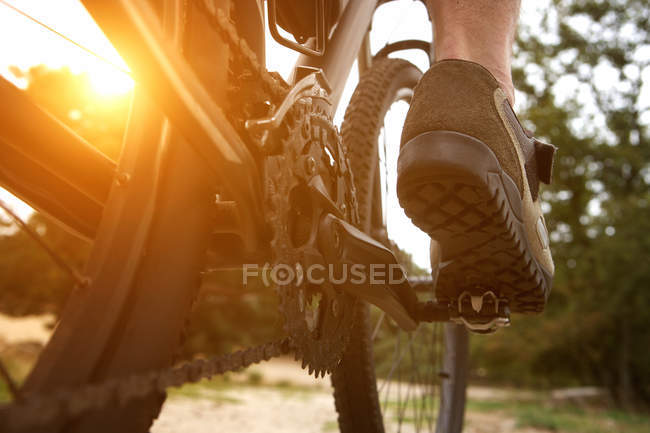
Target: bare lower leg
480, 31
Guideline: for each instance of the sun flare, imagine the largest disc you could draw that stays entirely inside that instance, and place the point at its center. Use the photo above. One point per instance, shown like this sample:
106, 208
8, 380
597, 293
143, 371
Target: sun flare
107, 82
41, 46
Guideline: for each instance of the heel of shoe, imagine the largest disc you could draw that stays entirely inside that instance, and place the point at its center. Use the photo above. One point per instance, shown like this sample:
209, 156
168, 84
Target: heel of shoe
437, 165
452, 187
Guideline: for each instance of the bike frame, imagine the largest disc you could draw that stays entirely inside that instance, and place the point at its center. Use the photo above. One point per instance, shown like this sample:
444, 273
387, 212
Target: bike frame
90, 200
71, 181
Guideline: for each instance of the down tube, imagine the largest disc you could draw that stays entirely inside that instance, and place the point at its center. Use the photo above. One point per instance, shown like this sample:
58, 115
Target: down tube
343, 46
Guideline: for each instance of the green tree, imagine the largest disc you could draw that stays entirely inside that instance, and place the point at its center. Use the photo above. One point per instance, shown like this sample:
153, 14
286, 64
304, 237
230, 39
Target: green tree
30, 283
582, 77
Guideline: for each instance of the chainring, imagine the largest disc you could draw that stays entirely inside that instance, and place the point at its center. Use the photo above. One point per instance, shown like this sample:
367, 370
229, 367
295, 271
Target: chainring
317, 317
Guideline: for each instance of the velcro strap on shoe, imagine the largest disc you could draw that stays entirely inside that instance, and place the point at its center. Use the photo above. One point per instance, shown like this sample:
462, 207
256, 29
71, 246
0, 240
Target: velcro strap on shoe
544, 155
538, 163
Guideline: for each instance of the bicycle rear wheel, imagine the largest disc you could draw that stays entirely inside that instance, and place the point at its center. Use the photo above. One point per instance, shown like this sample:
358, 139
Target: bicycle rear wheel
146, 259
389, 380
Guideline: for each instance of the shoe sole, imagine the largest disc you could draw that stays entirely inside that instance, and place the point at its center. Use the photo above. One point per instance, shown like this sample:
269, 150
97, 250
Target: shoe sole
452, 187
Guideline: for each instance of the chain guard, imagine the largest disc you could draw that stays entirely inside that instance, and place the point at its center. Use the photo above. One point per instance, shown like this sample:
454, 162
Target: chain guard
317, 318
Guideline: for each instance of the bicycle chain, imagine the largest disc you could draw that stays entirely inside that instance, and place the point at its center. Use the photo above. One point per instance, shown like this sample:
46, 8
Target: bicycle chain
220, 22
39, 411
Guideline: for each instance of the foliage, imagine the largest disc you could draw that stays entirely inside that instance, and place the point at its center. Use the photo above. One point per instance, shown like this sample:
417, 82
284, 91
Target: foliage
540, 413
30, 283
223, 320
582, 94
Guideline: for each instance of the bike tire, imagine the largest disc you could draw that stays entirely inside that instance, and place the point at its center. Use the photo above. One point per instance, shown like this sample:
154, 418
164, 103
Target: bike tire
355, 380
145, 265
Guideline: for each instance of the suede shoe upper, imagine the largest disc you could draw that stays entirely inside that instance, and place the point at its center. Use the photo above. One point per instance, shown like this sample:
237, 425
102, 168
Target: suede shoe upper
462, 96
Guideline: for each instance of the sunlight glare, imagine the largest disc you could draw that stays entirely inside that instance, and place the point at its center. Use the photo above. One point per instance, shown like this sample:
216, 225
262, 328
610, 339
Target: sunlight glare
106, 81
40, 46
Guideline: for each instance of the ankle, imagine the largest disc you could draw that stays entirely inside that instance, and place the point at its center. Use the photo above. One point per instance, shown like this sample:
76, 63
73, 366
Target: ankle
498, 65
480, 31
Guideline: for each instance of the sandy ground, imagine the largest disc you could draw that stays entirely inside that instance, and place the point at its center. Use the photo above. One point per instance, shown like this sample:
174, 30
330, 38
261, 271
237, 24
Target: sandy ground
305, 406
15, 330
302, 404
273, 411
251, 410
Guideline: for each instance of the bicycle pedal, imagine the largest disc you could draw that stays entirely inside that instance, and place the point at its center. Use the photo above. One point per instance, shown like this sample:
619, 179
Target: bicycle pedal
481, 311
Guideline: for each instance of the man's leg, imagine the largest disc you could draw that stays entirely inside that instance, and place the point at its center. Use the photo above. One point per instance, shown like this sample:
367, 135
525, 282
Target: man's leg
480, 31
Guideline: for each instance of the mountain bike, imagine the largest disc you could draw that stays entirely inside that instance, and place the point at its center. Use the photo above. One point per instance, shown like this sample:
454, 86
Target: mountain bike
225, 164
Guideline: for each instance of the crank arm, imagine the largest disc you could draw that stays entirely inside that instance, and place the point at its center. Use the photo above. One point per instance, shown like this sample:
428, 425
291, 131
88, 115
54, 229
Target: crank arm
343, 245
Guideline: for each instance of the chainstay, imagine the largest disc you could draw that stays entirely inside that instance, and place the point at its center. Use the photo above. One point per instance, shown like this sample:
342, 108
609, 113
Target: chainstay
39, 411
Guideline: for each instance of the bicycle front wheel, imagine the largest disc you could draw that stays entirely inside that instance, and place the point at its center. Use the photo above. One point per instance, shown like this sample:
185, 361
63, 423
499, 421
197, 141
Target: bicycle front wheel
390, 380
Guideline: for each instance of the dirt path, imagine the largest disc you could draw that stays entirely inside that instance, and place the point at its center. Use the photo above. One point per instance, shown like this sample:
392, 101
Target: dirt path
250, 410
477, 422
288, 400
25, 329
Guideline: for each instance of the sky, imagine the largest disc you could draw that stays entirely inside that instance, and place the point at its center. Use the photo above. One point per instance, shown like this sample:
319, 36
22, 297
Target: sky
23, 44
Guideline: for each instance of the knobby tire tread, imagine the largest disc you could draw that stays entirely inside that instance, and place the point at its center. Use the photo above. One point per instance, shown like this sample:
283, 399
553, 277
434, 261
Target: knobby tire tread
354, 381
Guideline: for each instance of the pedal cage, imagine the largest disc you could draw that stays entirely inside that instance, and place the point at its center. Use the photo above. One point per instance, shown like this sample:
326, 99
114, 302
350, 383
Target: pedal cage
481, 311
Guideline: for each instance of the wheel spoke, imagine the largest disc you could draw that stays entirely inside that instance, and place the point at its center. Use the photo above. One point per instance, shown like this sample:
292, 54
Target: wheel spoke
78, 278
377, 326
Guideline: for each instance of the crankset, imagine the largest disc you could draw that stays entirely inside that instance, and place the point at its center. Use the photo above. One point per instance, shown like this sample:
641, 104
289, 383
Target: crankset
322, 263
311, 211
